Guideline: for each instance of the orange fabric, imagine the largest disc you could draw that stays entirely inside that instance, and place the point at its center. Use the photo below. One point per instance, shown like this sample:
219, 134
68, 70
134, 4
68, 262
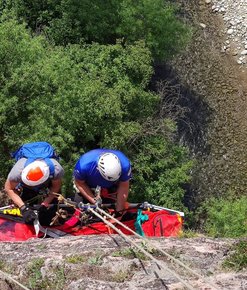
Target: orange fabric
35, 174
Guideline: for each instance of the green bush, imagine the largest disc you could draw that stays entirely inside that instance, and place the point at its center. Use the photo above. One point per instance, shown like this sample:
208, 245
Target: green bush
82, 97
160, 168
226, 217
237, 260
156, 22
66, 22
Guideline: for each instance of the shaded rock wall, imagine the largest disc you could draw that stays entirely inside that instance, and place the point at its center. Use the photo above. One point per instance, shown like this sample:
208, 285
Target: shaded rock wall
217, 81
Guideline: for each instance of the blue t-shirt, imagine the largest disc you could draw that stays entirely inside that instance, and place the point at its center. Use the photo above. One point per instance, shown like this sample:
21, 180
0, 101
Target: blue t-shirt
86, 168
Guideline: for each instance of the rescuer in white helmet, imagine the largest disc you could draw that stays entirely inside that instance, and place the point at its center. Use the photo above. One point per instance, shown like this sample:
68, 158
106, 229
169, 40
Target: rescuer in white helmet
105, 173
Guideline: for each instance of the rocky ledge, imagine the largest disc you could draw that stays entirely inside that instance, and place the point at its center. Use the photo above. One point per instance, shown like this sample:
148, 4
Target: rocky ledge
234, 15
108, 262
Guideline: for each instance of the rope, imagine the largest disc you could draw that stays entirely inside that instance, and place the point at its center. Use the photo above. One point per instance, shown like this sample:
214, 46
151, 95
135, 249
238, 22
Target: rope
159, 263
162, 251
13, 280
141, 249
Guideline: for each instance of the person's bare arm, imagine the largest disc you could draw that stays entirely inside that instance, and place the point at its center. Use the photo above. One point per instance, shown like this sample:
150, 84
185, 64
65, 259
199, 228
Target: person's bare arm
85, 190
122, 195
11, 191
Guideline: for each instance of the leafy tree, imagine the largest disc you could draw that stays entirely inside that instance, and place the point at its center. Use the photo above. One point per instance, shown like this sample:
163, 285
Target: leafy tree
92, 21
71, 21
82, 97
161, 168
237, 259
154, 21
226, 217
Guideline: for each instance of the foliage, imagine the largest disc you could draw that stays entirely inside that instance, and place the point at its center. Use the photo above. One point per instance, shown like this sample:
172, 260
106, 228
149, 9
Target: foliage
59, 281
237, 260
56, 280
130, 253
226, 217
76, 97
69, 21
34, 273
1, 264
96, 260
75, 259
160, 170
188, 234
121, 276
85, 96
154, 21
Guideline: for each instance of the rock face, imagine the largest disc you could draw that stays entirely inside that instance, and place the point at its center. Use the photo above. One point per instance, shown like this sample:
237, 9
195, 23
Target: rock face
107, 262
234, 14
217, 87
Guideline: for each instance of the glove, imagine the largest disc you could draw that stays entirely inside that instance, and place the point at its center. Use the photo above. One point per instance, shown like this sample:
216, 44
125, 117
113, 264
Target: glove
28, 214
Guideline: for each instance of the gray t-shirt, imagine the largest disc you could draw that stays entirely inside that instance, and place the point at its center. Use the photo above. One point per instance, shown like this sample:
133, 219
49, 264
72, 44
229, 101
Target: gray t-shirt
15, 173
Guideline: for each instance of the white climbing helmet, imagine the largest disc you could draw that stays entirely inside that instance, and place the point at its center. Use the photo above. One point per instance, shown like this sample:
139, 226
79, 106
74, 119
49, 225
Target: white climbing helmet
109, 166
35, 173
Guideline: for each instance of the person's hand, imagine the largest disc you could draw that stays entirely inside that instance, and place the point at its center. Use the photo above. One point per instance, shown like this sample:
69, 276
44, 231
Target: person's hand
28, 214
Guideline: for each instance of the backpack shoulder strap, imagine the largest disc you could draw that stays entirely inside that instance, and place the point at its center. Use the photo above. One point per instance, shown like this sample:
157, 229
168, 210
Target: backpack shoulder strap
51, 166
